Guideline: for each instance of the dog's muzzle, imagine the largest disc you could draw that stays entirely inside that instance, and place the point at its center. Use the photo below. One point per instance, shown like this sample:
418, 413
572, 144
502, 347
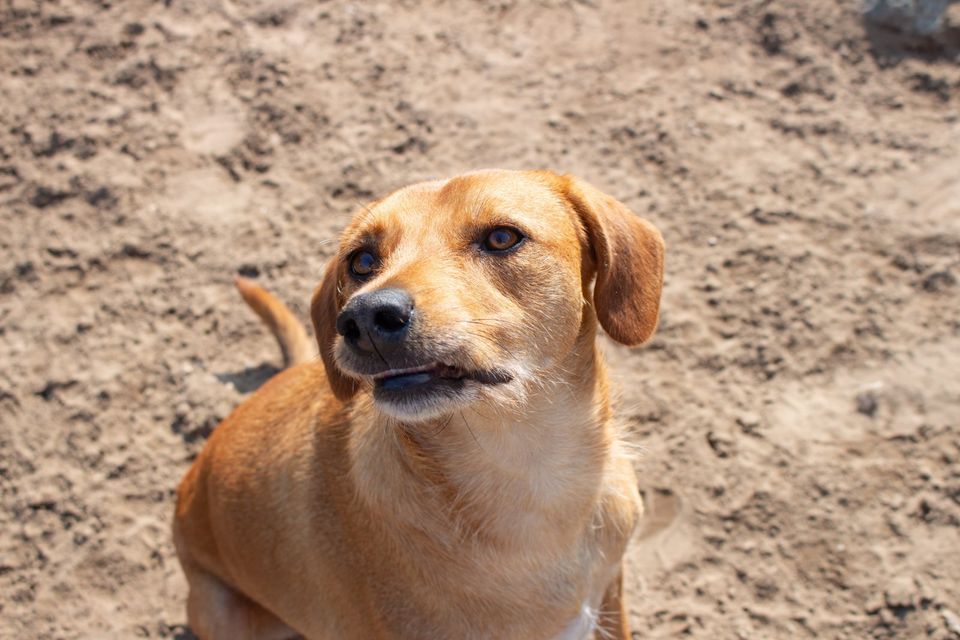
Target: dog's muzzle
379, 331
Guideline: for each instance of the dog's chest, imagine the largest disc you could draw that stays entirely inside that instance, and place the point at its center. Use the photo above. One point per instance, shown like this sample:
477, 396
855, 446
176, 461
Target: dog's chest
580, 627
531, 601
585, 623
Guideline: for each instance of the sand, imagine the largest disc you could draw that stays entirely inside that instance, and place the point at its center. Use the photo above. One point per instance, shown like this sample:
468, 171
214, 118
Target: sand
798, 412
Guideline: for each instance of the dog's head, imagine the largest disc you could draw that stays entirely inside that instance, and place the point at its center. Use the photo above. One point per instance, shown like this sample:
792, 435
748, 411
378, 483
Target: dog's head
448, 293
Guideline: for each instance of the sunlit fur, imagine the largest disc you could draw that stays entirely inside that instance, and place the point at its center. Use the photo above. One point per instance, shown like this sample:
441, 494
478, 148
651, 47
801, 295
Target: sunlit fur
499, 511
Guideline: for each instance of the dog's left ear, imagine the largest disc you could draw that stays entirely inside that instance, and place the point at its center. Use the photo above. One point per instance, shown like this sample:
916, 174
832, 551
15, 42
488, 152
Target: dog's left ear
326, 304
628, 253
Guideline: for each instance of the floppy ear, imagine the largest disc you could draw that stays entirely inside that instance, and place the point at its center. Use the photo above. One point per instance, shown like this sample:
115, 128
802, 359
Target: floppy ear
628, 253
324, 308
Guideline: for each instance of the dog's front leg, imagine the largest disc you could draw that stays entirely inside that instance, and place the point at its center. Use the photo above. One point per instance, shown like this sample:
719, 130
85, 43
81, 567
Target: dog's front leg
217, 612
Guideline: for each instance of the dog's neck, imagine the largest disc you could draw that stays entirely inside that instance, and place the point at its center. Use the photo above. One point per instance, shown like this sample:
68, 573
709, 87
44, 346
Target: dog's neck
528, 476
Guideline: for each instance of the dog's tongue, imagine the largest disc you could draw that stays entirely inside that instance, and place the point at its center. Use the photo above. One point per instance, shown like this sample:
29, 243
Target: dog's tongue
409, 380
398, 383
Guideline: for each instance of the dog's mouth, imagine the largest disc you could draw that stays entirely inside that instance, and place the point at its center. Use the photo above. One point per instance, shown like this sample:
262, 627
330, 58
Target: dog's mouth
436, 375
422, 389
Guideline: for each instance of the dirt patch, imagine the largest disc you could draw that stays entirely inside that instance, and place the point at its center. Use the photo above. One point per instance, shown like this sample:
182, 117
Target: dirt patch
798, 409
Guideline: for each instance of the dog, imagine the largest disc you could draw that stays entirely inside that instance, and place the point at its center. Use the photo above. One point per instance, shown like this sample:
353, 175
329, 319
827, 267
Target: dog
450, 466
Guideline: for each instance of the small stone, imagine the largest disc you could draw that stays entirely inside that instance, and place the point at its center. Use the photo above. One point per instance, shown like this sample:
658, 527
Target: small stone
749, 422
44, 197
556, 122
938, 281
867, 404
248, 270
918, 17
952, 621
892, 501
887, 618
101, 196
900, 593
874, 604
721, 444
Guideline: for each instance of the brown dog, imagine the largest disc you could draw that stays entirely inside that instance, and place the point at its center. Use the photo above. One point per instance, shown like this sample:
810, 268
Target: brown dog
451, 469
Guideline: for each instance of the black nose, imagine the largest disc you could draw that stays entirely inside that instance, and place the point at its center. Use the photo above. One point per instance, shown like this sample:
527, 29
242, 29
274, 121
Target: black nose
376, 321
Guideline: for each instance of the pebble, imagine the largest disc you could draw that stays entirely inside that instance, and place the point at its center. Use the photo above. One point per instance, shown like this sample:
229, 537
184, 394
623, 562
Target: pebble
867, 404
749, 422
874, 604
900, 593
721, 444
951, 620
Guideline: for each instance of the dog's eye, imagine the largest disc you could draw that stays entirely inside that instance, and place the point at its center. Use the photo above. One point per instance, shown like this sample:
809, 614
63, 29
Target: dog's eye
362, 263
502, 239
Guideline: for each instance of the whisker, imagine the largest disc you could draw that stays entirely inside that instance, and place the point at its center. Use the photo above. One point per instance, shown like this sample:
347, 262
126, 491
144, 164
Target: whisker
372, 342
441, 429
494, 321
467, 424
490, 339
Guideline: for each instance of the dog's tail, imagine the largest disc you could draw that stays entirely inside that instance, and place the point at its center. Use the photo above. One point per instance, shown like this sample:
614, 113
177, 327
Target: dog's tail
290, 333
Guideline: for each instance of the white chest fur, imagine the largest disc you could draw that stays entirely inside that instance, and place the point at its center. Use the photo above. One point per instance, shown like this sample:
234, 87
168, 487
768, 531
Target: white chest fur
583, 626
580, 627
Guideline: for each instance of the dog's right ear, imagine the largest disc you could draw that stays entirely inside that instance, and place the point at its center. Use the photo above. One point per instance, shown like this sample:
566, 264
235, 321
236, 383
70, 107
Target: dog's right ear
326, 304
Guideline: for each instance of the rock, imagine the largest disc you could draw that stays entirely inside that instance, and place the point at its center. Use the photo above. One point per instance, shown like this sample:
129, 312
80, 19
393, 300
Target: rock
749, 422
867, 404
874, 604
44, 197
249, 270
721, 444
951, 621
101, 197
923, 17
938, 281
900, 594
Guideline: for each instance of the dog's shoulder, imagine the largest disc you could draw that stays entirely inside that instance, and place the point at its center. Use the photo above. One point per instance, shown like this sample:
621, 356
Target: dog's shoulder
301, 392
285, 418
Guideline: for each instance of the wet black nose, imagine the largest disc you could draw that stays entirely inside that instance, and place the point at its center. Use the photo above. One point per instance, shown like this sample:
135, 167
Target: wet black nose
376, 321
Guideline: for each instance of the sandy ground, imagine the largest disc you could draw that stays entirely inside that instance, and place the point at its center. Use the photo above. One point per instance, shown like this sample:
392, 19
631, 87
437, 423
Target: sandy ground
798, 411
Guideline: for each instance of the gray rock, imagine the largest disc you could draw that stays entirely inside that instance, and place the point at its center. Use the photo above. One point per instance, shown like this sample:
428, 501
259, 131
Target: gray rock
924, 17
867, 404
